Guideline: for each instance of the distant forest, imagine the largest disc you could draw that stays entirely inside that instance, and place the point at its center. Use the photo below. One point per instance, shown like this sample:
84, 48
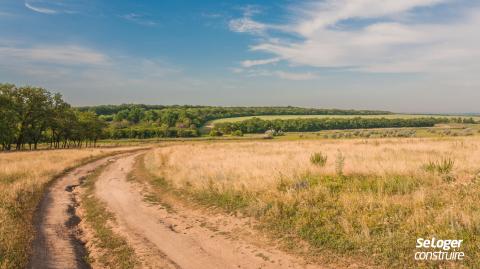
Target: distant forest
146, 121
33, 115
256, 125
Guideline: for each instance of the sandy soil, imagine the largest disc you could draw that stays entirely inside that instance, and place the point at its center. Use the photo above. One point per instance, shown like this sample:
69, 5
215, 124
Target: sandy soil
182, 237
56, 244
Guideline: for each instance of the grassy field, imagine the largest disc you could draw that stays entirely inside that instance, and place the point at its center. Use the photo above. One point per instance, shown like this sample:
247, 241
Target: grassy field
23, 179
369, 199
284, 117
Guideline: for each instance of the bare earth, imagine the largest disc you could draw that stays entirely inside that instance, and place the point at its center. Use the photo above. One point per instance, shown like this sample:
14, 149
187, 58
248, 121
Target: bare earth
182, 237
56, 244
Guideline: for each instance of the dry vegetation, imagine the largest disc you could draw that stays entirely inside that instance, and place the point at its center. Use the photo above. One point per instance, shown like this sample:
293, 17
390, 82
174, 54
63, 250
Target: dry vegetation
366, 198
23, 179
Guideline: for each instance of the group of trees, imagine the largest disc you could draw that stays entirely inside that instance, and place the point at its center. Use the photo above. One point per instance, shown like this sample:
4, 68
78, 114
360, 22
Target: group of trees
31, 115
257, 125
195, 116
148, 121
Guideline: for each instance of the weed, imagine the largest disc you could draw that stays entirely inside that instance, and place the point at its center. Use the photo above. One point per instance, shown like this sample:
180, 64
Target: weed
318, 159
442, 167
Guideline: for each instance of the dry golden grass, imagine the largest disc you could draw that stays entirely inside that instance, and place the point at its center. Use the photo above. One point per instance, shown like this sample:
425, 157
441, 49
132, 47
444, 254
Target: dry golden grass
383, 199
23, 178
260, 164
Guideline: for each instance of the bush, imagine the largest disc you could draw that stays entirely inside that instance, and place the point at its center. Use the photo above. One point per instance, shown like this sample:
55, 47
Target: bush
443, 167
237, 133
318, 159
215, 132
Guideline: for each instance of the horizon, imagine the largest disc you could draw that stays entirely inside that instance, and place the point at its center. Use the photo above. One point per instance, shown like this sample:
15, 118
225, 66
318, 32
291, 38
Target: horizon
327, 108
418, 56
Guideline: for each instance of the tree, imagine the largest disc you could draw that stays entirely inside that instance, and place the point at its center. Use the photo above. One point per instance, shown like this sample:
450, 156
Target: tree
8, 118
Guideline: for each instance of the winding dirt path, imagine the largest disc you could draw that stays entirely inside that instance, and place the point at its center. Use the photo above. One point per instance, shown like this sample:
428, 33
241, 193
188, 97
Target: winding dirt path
181, 237
56, 244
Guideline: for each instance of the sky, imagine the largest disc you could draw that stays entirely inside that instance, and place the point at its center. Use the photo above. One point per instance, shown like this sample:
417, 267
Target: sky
402, 56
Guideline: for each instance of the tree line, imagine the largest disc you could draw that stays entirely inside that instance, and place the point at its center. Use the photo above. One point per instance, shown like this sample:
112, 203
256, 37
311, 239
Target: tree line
149, 121
257, 125
199, 115
33, 115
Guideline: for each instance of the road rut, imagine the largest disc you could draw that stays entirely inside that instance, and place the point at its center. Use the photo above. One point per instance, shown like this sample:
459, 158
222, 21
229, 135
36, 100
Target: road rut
181, 237
56, 244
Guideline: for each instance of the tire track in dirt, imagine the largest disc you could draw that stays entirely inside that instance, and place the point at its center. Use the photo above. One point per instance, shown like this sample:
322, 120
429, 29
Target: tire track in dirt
56, 244
180, 237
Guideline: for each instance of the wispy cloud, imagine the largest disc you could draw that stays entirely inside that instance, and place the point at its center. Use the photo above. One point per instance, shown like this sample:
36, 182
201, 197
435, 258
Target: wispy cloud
71, 55
40, 9
369, 36
139, 19
246, 24
295, 76
251, 63
4, 14
258, 72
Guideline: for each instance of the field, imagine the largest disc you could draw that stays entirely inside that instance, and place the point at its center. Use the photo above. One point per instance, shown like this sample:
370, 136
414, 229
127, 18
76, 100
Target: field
284, 117
23, 179
367, 199
346, 196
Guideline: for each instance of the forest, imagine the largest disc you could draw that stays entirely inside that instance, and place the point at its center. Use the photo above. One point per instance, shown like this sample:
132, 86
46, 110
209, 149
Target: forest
256, 125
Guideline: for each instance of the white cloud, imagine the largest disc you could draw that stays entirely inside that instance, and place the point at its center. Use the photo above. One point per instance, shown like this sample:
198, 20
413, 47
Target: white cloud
383, 43
256, 72
295, 76
251, 63
63, 55
40, 9
139, 19
319, 15
246, 25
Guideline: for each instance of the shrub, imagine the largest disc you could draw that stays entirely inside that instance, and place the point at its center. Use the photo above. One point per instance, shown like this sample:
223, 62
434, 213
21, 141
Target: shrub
442, 167
237, 133
215, 132
318, 159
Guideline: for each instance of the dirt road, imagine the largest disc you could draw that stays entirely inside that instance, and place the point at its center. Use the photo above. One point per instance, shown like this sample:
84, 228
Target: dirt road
182, 237
56, 244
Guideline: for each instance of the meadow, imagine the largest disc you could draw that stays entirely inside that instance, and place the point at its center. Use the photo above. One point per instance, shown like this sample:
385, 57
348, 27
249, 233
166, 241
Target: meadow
366, 200
24, 177
285, 117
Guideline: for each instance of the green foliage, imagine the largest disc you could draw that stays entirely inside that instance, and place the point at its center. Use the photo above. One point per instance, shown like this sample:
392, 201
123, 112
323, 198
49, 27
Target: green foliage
318, 159
215, 132
442, 167
30, 115
237, 133
256, 125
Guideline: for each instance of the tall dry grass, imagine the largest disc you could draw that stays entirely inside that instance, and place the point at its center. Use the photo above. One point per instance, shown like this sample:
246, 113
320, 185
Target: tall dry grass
385, 196
258, 165
23, 178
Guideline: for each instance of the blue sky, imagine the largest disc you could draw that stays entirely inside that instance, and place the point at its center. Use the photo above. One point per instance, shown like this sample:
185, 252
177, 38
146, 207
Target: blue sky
405, 56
